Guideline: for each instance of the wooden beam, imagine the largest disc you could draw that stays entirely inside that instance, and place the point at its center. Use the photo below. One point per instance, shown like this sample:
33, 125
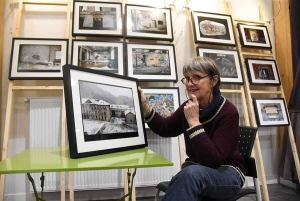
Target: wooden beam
1, 49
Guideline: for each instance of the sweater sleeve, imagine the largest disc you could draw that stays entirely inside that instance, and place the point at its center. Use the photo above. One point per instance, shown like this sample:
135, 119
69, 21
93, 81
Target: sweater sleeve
170, 126
212, 152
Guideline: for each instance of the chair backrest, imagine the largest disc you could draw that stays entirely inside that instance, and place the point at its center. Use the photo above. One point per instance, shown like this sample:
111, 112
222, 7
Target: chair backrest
245, 143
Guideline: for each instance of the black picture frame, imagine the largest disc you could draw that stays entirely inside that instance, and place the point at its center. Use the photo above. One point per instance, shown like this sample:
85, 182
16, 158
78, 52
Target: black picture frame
254, 36
151, 62
37, 58
104, 113
213, 28
270, 112
106, 56
228, 62
96, 18
148, 22
262, 71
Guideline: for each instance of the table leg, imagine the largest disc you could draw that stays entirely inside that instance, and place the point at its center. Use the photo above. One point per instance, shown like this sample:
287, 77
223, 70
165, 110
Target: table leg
130, 180
37, 198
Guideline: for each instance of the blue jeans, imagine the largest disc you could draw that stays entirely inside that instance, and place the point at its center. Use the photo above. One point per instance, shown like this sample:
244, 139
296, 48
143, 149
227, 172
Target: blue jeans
196, 181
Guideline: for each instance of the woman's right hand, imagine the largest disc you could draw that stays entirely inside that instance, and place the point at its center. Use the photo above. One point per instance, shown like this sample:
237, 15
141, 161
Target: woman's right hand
145, 105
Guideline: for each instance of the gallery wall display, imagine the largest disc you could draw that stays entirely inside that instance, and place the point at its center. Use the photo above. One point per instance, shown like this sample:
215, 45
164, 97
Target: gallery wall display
99, 55
262, 71
151, 62
270, 111
148, 22
228, 62
103, 112
164, 100
97, 18
254, 36
37, 58
213, 28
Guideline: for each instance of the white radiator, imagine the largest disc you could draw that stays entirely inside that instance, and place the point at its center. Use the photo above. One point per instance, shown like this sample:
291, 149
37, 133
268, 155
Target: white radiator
45, 130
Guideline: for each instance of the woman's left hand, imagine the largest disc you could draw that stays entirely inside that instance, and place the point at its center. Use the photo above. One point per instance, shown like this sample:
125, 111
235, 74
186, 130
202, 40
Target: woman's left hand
191, 111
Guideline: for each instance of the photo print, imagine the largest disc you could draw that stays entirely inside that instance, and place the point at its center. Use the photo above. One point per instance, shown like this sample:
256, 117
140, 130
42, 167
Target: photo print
97, 55
107, 111
262, 71
213, 28
41, 58
97, 18
151, 61
270, 111
228, 63
148, 22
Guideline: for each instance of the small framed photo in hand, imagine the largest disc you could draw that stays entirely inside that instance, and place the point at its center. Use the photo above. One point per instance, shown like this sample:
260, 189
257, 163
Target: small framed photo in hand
213, 28
164, 100
148, 22
104, 113
96, 18
151, 62
254, 36
99, 55
228, 62
262, 71
270, 112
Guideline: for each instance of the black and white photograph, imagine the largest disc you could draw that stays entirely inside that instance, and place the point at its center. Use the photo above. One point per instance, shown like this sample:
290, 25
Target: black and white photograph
164, 100
213, 28
103, 112
37, 58
254, 36
270, 111
151, 62
262, 71
97, 18
99, 55
228, 63
148, 22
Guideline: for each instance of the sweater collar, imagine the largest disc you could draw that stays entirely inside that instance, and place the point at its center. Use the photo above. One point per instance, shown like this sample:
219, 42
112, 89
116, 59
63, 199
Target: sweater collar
208, 113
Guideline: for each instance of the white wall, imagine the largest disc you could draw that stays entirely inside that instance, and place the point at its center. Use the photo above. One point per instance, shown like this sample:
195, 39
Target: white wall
50, 22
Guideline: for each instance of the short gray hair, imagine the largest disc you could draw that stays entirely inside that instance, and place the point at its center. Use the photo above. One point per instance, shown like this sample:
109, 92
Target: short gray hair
204, 65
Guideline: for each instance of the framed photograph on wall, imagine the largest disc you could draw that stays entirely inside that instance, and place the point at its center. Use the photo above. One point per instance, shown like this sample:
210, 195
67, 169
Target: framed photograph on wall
228, 62
164, 100
213, 28
262, 71
151, 62
103, 112
97, 18
148, 22
254, 36
37, 58
99, 55
270, 112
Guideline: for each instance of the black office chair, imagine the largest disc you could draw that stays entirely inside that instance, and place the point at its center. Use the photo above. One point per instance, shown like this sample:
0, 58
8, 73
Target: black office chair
245, 143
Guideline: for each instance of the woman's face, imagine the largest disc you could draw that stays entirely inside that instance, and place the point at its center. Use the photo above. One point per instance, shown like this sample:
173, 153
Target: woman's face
203, 89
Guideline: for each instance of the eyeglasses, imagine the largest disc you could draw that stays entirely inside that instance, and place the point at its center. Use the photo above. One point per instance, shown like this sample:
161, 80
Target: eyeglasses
195, 79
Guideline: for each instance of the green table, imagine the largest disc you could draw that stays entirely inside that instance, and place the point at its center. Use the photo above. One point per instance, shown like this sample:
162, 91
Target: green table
56, 159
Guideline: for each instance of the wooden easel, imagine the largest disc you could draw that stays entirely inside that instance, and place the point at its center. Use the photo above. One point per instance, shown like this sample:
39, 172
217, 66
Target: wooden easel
12, 87
279, 92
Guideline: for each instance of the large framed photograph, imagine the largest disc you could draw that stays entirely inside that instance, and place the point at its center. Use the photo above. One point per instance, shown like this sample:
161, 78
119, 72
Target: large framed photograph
37, 58
262, 71
270, 112
148, 22
228, 62
151, 62
99, 55
103, 112
213, 28
256, 36
164, 100
97, 18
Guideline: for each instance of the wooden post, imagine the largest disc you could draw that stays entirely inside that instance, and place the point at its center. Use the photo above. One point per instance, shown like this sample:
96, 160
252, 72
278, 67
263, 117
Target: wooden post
1, 49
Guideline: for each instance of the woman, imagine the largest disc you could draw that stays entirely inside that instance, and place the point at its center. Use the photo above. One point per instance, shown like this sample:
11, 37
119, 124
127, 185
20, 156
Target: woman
210, 123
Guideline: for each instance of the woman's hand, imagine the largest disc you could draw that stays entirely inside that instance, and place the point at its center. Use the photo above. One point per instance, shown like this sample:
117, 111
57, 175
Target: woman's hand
145, 105
191, 111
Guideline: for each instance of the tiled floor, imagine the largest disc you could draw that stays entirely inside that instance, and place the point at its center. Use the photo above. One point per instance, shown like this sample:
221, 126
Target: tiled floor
277, 192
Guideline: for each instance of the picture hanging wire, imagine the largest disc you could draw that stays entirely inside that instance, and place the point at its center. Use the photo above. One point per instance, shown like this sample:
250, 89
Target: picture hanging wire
279, 9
